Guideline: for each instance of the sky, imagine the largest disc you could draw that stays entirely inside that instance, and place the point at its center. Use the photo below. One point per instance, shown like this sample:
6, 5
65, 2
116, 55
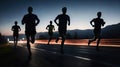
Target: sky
81, 12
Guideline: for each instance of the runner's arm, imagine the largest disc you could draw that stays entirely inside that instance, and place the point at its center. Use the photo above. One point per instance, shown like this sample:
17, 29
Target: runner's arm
12, 28
19, 28
91, 22
68, 20
56, 21
37, 20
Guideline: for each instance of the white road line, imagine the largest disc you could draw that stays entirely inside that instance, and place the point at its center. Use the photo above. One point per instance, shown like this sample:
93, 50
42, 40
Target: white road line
102, 62
79, 57
88, 59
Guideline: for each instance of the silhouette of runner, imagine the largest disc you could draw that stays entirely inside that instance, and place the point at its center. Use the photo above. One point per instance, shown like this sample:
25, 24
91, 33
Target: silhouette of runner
50, 29
98, 22
15, 30
62, 26
31, 21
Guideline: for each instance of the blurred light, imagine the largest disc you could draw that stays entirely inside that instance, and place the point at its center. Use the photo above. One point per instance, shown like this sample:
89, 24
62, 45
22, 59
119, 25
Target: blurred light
23, 38
8, 39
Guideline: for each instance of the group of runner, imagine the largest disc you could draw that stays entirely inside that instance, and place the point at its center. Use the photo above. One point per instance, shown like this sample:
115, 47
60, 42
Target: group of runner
31, 20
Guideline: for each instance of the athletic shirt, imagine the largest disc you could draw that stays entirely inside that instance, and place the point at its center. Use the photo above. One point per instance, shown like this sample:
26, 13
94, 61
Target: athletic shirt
15, 28
63, 21
98, 22
51, 27
29, 20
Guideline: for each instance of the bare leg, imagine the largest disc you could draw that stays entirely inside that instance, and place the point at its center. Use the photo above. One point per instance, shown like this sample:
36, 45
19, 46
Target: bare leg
49, 39
14, 40
62, 44
28, 45
98, 41
92, 40
32, 39
57, 39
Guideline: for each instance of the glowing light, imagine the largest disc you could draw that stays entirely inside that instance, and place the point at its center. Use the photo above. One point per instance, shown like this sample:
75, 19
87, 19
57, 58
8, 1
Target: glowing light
23, 38
8, 39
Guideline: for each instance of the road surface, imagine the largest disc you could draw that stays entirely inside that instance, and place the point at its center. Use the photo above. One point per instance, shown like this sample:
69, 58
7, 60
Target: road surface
74, 56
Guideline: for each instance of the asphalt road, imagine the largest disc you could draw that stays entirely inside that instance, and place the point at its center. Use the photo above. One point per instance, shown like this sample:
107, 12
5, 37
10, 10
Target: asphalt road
74, 56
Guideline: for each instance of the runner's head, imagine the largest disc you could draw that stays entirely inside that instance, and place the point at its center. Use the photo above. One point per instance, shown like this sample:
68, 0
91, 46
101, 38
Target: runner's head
51, 22
64, 10
16, 22
99, 14
30, 9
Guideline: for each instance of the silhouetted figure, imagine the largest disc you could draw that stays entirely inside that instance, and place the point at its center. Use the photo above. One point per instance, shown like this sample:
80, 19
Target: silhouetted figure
15, 30
98, 22
50, 29
31, 21
62, 25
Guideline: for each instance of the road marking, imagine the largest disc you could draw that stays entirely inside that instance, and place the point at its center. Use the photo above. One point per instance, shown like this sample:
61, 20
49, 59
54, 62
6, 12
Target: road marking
102, 62
78, 57
84, 58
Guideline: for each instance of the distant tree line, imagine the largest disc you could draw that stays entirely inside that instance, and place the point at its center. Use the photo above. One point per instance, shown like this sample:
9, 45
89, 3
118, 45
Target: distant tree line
2, 39
110, 31
68, 35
